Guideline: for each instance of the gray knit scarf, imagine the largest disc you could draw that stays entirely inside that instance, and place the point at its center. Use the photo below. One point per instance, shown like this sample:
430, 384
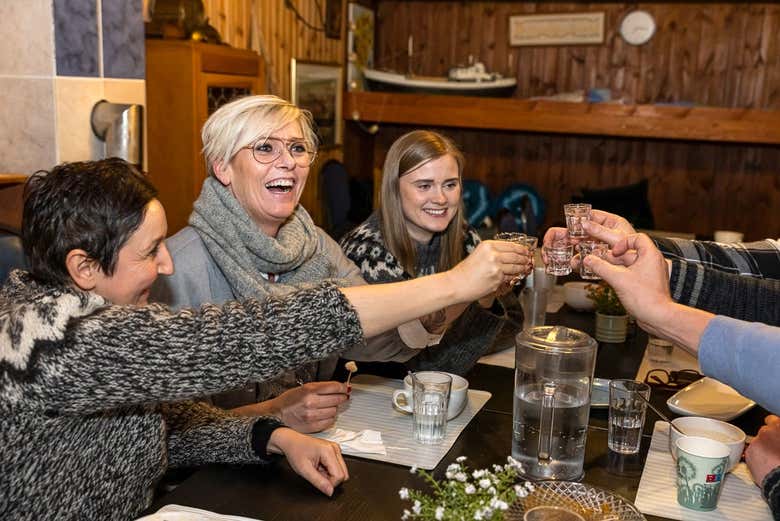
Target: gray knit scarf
243, 252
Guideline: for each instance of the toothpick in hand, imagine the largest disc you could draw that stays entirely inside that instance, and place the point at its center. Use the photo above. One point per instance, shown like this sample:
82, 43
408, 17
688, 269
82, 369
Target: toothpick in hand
351, 367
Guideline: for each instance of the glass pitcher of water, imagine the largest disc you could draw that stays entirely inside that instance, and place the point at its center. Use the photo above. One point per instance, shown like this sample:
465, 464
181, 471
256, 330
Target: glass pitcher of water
553, 374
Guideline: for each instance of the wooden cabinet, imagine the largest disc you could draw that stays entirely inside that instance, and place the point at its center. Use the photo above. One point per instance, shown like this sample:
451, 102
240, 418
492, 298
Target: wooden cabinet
185, 82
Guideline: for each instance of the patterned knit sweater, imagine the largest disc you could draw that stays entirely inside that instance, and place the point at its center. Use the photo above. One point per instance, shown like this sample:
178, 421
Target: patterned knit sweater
93, 398
729, 294
468, 338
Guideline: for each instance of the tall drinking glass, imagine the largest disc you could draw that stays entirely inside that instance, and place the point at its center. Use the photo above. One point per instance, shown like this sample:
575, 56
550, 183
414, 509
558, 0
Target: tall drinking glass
431, 398
626, 415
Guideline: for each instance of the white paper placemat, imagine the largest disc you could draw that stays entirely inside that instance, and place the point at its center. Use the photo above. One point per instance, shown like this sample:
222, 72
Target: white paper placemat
678, 360
370, 407
740, 499
505, 358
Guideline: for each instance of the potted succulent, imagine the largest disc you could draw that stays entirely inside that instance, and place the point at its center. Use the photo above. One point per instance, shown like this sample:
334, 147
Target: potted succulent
611, 316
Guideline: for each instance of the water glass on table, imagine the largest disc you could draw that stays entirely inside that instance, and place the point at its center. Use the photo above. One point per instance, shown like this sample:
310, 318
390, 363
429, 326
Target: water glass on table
590, 247
558, 257
626, 415
575, 214
431, 399
534, 304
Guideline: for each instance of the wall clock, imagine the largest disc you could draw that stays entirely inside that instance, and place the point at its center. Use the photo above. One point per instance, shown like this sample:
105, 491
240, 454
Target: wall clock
637, 27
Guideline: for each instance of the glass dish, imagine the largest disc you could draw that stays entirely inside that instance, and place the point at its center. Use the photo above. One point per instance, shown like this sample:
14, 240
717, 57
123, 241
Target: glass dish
589, 502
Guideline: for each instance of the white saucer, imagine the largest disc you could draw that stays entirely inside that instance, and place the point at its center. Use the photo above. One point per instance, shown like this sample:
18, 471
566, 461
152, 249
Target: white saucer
709, 398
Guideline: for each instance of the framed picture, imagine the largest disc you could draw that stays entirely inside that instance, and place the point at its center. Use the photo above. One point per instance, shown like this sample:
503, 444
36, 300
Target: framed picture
360, 44
557, 29
317, 87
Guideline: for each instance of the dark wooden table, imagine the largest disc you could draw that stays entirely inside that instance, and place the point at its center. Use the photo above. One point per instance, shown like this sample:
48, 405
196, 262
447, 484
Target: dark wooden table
277, 493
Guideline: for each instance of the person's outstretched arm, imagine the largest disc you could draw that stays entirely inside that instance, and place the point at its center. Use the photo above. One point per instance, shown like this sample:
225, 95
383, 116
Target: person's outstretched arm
742, 354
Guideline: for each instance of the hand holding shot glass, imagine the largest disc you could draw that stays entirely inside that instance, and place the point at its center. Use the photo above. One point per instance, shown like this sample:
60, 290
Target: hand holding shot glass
575, 214
591, 247
529, 241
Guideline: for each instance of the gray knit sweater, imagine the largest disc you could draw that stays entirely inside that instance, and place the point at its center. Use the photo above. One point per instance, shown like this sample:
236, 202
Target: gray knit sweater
93, 397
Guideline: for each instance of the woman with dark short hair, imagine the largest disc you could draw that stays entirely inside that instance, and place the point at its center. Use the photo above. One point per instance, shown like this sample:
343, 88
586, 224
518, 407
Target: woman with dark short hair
95, 384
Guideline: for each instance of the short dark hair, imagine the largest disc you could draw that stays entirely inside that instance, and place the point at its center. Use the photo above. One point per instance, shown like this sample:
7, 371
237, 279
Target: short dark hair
90, 205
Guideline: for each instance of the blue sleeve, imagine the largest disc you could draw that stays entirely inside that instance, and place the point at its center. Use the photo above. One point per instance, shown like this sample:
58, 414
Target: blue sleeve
744, 355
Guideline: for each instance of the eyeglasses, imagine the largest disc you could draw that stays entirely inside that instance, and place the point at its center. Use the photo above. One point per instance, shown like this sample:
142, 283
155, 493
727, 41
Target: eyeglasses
661, 378
267, 150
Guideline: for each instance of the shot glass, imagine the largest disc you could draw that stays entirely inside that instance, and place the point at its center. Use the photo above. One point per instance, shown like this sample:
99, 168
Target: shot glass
558, 257
626, 415
576, 213
701, 468
519, 238
589, 247
431, 399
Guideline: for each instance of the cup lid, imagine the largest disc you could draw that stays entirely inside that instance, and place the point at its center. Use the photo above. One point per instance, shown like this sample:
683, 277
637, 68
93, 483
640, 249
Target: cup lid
556, 338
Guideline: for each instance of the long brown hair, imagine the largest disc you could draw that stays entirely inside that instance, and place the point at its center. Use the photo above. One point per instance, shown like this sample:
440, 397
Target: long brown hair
408, 153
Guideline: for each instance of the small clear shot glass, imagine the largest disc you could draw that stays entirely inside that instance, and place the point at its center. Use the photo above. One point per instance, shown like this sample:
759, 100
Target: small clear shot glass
590, 247
558, 256
528, 241
575, 214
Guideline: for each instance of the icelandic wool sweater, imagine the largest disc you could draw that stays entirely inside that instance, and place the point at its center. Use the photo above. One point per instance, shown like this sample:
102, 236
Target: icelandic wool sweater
93, 397
740, 297
468, 338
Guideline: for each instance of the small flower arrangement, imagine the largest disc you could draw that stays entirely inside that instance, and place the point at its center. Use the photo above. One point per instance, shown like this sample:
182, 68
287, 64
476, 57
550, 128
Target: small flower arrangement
466, 495
605, 299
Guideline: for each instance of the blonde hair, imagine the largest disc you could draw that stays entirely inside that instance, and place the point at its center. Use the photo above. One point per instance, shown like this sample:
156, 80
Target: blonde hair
407, 154
245, 120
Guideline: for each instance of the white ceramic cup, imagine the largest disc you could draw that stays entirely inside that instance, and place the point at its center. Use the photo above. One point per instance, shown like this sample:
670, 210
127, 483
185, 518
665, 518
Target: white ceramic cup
458, 396
733, 437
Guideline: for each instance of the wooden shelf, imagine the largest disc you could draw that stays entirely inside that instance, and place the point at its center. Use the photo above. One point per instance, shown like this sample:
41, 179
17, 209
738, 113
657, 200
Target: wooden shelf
603, 119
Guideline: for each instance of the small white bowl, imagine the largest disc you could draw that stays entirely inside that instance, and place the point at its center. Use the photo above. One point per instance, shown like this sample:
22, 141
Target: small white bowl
717, 430
576, 296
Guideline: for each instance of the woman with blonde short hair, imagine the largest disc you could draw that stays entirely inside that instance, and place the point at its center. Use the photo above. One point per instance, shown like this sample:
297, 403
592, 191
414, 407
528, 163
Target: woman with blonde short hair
418, 230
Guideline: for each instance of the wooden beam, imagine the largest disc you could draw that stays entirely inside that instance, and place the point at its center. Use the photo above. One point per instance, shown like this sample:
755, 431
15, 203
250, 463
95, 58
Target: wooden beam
648, 121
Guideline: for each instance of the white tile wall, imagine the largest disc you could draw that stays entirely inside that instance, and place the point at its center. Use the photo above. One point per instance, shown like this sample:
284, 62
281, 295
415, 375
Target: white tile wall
75, 98
27, 137
27, 30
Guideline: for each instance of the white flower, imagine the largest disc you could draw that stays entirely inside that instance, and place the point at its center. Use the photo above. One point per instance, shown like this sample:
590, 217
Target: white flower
470, 489
497, 468
453, 467
417, 507
492, 491
439, 514
460, 459
478, 473
498, 504
404, 493
413, 470
529, 486
514, 463
406, 515
449, 474
478, 515
461, 476
520, 491
484, 483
